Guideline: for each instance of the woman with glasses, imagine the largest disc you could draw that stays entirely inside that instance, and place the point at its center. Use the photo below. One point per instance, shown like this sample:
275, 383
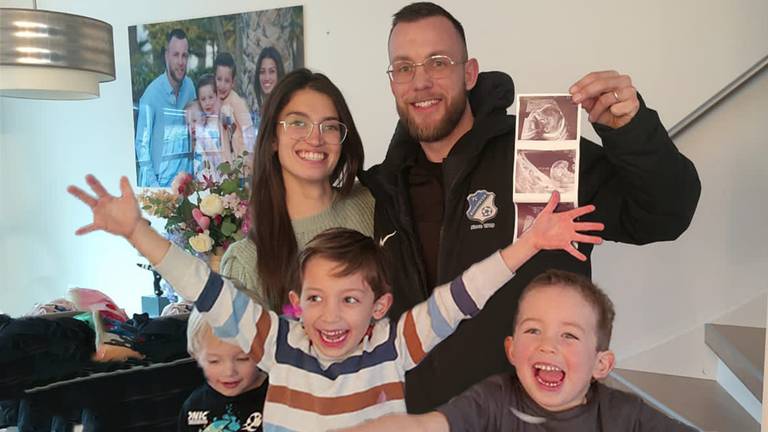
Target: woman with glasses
307, 154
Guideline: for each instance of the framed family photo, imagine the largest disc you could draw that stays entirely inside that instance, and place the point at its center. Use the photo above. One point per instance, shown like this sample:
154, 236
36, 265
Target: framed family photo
198, 86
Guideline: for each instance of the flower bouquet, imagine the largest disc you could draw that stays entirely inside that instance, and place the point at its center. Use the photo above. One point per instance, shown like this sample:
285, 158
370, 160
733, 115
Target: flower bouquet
203, 216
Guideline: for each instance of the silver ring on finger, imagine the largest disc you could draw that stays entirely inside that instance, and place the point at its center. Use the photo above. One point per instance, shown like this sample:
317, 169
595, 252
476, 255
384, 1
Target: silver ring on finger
616, 96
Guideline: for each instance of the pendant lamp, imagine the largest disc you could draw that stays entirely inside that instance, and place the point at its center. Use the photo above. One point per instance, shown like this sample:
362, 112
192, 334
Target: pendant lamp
53, 55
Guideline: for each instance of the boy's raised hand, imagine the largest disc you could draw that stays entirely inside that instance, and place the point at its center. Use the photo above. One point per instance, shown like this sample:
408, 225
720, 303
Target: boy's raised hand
553, 230
115, 215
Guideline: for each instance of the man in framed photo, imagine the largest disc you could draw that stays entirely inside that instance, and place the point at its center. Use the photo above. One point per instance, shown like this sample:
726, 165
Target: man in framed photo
162, 141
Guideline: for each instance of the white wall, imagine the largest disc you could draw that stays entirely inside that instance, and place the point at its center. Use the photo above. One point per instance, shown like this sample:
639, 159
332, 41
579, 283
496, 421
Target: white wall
679, 54
664, 290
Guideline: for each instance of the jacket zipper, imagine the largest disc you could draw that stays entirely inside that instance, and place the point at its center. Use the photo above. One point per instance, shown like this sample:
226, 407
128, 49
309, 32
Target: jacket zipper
412, 239
448, 193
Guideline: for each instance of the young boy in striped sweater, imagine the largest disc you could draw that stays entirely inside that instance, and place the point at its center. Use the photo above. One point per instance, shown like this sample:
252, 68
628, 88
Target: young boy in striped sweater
343, 362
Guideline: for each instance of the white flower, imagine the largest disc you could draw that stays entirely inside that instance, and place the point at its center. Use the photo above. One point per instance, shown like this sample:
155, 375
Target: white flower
211, 205
201, 242
231, 200
241, 209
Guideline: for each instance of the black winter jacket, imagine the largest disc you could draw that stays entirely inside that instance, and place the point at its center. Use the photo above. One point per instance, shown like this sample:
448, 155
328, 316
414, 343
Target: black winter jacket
644, 189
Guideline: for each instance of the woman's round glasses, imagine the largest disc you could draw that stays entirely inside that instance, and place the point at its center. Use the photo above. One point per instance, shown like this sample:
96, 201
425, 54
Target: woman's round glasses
300, 127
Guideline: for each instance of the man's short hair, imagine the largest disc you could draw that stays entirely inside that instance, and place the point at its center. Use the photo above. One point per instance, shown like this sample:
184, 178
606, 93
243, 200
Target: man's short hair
176, 33
590, 292
354, 252
421, 10
225, 59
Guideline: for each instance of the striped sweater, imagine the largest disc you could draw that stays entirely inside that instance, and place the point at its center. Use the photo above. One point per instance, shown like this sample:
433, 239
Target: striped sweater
306, 394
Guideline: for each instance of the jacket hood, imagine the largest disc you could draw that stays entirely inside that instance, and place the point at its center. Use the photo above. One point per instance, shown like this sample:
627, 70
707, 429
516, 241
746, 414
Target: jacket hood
493, 91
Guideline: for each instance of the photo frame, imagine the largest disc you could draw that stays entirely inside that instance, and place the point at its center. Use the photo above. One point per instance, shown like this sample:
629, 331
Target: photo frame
173, 131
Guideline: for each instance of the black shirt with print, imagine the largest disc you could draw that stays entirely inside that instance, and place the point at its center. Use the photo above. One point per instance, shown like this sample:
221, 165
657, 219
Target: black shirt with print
206, 407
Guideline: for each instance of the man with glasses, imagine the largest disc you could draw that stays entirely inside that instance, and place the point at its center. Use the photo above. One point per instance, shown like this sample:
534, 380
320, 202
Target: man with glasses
444, 191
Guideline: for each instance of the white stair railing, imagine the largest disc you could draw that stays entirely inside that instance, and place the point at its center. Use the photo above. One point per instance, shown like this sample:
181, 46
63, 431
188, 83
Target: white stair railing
717, 97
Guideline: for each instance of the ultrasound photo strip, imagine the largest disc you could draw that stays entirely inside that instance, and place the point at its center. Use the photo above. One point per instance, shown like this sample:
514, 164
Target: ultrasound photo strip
547, 117
546, 148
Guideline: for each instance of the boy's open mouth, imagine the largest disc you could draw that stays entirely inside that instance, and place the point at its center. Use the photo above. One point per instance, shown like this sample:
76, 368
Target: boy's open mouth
549, 376
333, 338
230, 384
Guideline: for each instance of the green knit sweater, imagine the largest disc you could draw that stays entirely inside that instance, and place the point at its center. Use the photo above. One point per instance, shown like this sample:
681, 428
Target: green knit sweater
354, 211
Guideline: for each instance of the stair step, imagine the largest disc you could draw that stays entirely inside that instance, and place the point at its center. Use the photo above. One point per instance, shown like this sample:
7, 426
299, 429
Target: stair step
742, 349
699, 402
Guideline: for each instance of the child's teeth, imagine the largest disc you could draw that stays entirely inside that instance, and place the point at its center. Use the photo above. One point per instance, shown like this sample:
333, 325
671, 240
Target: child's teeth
546, 367
333, 336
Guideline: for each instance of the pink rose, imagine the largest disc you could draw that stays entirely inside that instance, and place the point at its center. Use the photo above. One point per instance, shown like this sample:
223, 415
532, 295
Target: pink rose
202, 220
181, 184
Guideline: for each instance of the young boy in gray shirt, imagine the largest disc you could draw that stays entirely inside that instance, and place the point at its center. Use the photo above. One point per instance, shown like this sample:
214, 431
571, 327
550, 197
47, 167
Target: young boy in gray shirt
559, 349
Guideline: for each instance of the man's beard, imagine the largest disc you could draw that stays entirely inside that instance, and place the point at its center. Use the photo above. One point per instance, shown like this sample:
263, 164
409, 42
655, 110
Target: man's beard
172, 76
444, 126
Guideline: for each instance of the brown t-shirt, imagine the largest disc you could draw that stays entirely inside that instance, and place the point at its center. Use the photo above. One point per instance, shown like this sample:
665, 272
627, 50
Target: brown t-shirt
426, 192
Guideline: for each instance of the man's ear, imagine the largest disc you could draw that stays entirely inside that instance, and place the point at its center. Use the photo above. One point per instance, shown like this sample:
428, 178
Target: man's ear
509, 346
471, 70
604, 364
381, 306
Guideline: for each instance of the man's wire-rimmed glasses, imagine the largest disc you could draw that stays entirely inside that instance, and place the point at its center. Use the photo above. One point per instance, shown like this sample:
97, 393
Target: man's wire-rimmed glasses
436, 66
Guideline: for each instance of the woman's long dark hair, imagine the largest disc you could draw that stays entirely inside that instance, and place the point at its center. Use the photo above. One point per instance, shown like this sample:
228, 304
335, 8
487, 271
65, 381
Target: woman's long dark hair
271, 228
270, 53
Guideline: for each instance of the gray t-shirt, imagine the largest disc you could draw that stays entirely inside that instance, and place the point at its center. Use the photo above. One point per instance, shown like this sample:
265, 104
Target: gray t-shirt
500, 403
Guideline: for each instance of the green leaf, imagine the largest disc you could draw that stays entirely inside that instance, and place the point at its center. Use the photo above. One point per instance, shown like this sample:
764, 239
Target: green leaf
229, 186
185, 210
224, 168
228, 228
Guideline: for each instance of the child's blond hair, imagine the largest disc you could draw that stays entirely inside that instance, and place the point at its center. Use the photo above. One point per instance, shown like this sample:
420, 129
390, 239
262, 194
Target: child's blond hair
197, 330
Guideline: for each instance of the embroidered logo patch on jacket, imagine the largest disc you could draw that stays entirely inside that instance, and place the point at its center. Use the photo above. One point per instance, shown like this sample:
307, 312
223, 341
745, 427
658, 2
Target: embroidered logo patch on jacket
481, 206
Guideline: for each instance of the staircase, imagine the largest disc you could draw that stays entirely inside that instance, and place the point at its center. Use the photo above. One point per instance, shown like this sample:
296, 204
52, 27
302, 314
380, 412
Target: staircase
731, 403
711, 376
